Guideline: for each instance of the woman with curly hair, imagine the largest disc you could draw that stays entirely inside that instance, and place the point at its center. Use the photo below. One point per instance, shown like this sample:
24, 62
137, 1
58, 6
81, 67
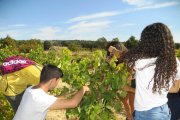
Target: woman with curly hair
156, 68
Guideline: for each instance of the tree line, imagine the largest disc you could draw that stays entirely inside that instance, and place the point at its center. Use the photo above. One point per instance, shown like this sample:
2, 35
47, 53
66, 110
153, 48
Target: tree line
25, 46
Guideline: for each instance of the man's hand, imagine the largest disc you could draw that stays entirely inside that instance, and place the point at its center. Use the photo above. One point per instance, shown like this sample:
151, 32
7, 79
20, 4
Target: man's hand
85, 89
69, 103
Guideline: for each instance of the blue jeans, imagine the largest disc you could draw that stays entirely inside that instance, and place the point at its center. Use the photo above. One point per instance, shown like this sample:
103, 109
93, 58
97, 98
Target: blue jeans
157, 113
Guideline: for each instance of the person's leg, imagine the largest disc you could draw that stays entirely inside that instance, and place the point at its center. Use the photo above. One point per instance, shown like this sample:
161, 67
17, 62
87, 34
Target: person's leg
15, 101
11, 100
127, 108
131, 101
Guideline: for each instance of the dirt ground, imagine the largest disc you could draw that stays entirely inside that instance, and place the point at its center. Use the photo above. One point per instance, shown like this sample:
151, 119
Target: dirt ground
56, 115
61, 115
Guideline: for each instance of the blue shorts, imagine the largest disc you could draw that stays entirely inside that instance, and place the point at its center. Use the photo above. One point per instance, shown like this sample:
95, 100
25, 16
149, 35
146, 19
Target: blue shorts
158, 113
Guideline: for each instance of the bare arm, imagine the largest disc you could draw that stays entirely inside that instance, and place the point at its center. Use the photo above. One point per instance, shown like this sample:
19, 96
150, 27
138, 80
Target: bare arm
61, 97
176, 87
69, 103
129, 89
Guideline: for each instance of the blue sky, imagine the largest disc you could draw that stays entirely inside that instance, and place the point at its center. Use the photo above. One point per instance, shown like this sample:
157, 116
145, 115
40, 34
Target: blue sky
85, 19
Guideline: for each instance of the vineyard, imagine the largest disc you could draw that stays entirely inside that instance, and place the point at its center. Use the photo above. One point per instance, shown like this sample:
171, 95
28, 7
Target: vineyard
105, 81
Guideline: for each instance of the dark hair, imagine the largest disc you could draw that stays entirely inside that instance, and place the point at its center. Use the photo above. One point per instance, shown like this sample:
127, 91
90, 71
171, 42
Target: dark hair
49, 72
119, 46
156, 42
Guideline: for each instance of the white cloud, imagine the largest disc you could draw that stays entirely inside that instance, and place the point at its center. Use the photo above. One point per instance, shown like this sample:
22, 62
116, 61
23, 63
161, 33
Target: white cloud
138, 3
159, 5
88, 30
47, 33
175, 33
91, 26
176, 38
18, 25
127, 24
11, 33
93, 16
16, 31
86, 24
144, 4
13, 27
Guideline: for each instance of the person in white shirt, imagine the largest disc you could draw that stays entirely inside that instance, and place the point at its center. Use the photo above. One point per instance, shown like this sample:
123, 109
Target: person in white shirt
156, 68
36, 102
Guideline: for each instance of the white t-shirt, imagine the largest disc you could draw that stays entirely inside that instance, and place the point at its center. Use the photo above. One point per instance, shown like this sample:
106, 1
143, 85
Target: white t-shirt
144, 98
34, 105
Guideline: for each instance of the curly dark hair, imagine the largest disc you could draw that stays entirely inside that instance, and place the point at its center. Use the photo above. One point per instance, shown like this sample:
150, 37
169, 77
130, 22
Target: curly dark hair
156, 42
